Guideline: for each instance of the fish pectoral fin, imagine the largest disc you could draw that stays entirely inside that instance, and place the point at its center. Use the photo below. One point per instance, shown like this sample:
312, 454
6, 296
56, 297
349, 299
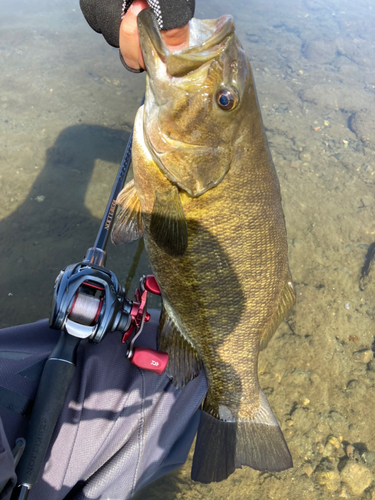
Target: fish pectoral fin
168, 225
184, 363
223, 446
128, 226
287, 300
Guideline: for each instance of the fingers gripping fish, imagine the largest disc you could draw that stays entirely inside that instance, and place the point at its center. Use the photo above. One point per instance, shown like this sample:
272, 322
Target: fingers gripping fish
206, 198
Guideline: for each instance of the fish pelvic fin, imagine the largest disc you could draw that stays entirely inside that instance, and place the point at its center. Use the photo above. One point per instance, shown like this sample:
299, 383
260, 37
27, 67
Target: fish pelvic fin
168, 225
184, 363
287, 300
223, 446
128, 225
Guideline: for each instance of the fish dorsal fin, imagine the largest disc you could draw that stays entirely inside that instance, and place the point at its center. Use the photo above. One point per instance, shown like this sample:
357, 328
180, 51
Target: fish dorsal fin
184, 363
288, 297
128, 226
168, 224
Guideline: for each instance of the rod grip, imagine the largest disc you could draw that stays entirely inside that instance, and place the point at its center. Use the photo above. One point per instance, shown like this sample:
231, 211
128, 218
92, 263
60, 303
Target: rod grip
56, 378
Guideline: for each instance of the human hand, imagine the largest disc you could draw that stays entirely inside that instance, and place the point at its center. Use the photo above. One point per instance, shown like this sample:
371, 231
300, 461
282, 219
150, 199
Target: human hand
130, 47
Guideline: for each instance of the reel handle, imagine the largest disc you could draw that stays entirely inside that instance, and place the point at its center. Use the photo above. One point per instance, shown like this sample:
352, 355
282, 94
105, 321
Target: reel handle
148, 359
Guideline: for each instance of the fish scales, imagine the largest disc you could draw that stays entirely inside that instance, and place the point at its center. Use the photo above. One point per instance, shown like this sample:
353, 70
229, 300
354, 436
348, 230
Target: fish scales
225, 284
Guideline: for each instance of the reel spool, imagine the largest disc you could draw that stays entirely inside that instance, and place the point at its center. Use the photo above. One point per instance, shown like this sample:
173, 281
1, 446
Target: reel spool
85, 308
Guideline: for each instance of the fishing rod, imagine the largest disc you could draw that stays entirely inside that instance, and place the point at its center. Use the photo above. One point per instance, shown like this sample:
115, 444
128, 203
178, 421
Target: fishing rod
87, 303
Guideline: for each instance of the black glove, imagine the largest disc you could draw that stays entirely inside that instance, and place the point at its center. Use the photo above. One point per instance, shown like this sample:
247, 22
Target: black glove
104, 16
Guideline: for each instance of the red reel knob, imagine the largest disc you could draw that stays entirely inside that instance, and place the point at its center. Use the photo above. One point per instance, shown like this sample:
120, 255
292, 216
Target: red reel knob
148, 359
151, 285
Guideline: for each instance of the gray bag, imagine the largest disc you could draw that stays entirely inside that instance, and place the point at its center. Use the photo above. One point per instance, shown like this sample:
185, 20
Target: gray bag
120, 428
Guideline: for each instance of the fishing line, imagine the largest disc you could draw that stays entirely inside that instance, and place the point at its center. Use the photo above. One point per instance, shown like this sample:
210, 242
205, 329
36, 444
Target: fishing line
134, 266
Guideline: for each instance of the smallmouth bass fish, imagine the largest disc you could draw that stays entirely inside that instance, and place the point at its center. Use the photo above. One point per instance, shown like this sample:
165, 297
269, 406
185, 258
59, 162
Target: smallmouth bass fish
206, 198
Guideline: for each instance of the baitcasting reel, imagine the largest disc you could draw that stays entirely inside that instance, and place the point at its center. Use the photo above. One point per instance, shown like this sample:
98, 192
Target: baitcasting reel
89, 302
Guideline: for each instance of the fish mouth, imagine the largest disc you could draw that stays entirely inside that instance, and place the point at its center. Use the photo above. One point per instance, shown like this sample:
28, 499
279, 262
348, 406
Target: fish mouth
191, 163
207, 40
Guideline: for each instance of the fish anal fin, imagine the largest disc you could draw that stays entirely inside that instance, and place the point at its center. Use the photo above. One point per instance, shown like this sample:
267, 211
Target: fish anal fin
215, 450
168, 225
287, 300
128, 225
223, 446
184, 363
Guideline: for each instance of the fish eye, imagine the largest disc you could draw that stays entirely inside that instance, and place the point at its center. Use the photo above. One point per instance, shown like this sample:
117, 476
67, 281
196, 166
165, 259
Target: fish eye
227, 99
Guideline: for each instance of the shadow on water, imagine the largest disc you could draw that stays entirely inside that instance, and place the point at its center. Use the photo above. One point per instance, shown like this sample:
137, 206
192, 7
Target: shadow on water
52, 227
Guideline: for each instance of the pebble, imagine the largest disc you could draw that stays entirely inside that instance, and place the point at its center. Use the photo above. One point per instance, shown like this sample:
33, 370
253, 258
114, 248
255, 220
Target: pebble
369, 458
349, 450
305, 156
320, 448
328, 449
356, 476
334, 442
319, 51
308, 470
363, 125
344, 493
353, 338
328, 478
364, 356
304, 401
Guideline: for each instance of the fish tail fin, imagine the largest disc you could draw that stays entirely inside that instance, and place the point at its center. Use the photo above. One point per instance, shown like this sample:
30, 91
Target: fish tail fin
223, 446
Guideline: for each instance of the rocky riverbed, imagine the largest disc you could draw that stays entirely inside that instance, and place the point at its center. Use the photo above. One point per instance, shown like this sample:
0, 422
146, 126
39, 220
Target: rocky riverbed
66, 110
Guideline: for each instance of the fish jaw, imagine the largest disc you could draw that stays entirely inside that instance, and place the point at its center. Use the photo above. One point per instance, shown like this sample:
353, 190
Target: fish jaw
207, 40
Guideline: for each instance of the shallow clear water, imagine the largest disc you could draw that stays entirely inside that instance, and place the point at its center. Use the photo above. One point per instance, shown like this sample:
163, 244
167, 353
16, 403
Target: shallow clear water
66, 109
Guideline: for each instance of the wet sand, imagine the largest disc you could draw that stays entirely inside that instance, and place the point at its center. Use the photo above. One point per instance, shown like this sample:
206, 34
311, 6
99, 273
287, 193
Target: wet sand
66, 109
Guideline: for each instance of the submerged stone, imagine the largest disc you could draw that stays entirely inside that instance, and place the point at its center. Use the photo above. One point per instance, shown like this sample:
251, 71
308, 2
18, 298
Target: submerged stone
356, 476
330, 478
